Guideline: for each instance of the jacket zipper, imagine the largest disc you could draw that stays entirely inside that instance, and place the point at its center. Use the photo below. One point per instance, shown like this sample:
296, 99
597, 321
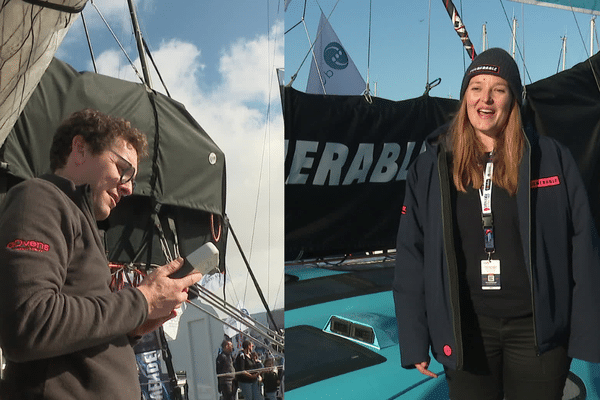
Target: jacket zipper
531, 287
447, 231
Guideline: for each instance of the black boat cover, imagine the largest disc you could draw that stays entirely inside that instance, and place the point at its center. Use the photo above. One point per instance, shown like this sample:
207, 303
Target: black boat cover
346, 159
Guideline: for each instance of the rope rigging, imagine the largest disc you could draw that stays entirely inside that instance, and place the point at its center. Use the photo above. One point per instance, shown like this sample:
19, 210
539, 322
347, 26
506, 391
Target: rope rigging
310, 50
367, 92
131, 63
216, 226
585, 47
521, 54
525, 70
117, 40
87, 36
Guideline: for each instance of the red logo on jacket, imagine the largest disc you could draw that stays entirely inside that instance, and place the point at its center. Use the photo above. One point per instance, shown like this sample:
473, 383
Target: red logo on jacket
31, 245
544, 182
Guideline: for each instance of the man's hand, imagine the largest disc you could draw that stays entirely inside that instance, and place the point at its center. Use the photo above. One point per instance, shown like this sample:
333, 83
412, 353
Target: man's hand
164, 294
424, 369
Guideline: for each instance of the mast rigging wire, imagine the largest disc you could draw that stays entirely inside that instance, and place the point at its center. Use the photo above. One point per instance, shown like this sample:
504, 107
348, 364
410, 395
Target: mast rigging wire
310, 50
121, 277
138, 41
260, 294
585, 47
526, 71
463, 54
367, 92
165, 246
560, 56
235, 313
89, 42
428, 45
118, 42
265, 148
431, 85
147, 49
262, 157
582, 40
579, 30
523, 37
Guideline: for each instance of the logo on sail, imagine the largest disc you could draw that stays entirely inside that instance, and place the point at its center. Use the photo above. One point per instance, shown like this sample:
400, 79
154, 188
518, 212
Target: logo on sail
335, 56
332, 70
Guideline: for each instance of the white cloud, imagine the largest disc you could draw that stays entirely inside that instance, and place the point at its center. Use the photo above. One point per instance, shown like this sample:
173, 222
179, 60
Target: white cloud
234, 114
111, 63
253, 59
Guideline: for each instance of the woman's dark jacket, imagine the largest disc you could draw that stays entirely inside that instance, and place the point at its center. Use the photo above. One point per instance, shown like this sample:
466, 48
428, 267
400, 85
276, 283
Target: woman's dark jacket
560, 246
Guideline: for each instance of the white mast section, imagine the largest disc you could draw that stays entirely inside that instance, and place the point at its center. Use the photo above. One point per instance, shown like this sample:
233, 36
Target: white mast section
513, 45
564, 51
484, 39
138, 38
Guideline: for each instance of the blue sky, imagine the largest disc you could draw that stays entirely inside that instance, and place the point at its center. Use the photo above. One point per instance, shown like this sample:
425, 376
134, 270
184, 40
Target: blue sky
219, 60
399, 40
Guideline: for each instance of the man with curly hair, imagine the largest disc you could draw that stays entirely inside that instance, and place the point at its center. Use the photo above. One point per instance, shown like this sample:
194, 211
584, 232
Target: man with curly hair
64, 333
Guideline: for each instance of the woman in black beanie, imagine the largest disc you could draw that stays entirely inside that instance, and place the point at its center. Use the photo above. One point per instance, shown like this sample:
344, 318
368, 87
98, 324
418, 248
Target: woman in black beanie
497, 267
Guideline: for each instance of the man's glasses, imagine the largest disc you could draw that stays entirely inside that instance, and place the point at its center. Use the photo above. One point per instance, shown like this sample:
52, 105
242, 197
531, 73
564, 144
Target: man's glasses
128, 173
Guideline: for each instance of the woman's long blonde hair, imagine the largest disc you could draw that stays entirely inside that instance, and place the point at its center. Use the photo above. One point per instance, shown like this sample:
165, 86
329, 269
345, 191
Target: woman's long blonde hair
468, 152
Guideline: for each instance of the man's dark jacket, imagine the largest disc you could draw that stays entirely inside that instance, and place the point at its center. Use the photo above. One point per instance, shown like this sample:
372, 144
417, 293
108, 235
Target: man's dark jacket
62, 330
225, 365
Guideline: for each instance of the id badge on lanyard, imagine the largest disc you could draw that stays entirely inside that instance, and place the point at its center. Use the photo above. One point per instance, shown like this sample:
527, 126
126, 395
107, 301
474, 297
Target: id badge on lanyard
490, 269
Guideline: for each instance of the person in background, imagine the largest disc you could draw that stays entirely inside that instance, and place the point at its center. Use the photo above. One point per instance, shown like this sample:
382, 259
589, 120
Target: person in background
258, 365
271, 379
497, 269
244, 364
228, 383
64, 334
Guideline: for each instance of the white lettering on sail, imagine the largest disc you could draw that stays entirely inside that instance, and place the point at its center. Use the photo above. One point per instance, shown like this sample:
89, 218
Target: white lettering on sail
386, 167
404, 168
332, 160
361, 164
336, 163
301, 161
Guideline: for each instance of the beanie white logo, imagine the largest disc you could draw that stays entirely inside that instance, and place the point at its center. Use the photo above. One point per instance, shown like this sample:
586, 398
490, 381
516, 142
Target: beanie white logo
485, 68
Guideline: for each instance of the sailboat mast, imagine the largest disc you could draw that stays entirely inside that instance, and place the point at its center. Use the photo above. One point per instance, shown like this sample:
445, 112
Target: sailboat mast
140, 46
564, 51
514, 37
460, 29
484, 39
592, 30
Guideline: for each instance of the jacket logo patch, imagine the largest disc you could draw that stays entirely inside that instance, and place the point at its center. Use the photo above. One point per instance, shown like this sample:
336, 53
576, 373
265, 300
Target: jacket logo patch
31, 245
545, 182
403, 210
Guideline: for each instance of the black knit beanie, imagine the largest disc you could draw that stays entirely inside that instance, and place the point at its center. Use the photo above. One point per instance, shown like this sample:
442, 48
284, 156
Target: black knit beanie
497, 62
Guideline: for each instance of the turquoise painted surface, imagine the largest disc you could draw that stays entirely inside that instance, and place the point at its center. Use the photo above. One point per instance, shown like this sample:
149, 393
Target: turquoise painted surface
589, 6
388, 380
